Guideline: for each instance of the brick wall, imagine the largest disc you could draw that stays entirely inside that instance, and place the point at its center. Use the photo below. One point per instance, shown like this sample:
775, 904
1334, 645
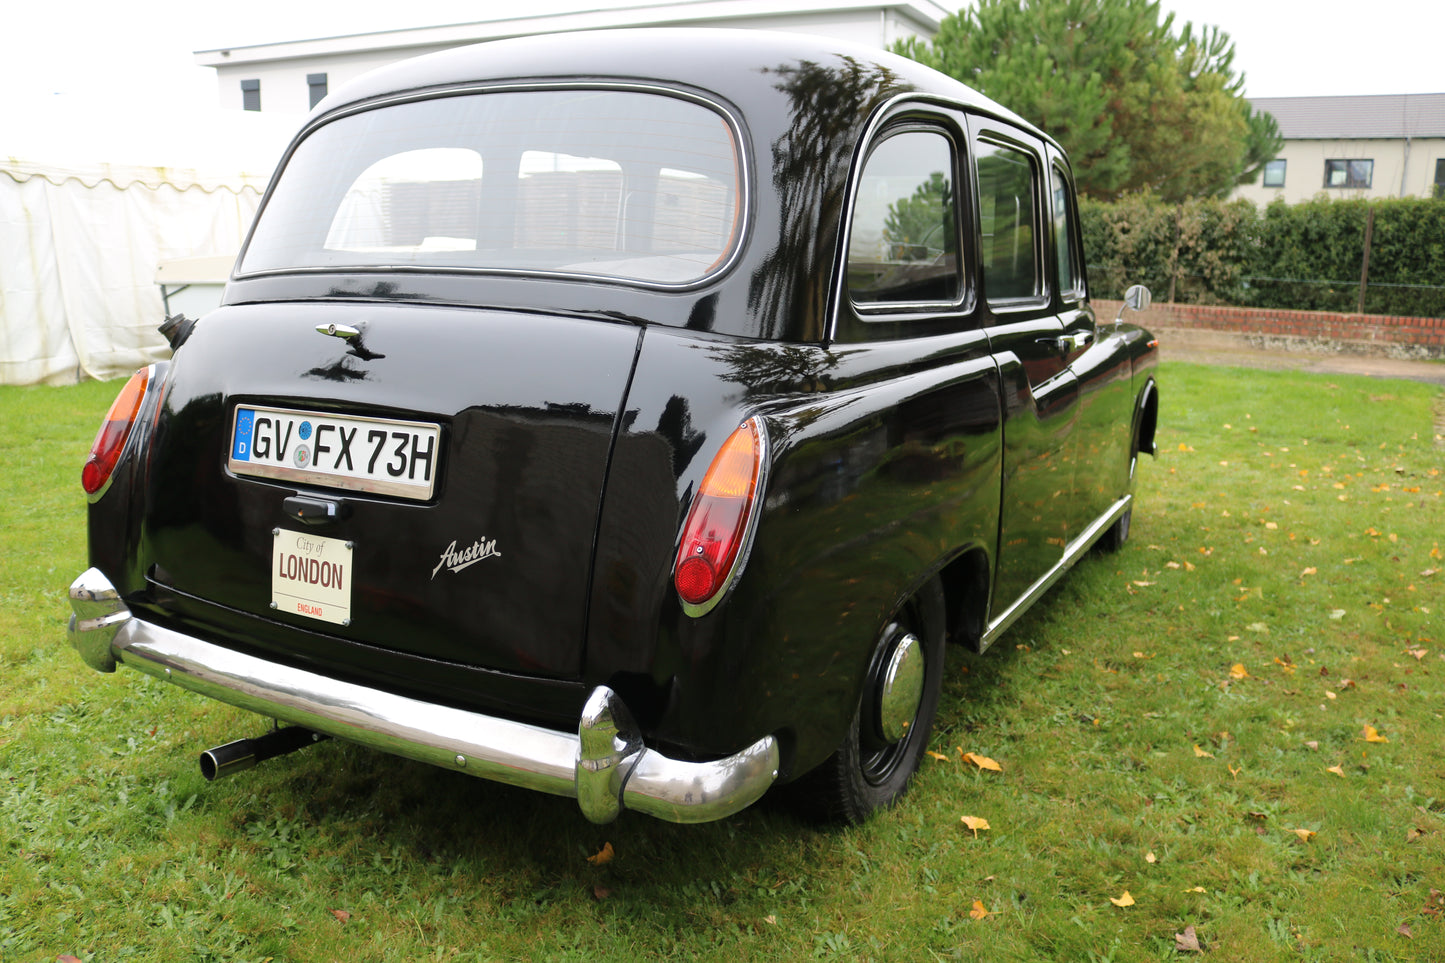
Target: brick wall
1320, 331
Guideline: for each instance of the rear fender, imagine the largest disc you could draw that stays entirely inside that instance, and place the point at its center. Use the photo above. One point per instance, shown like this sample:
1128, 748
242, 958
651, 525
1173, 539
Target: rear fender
881, 471
114, 517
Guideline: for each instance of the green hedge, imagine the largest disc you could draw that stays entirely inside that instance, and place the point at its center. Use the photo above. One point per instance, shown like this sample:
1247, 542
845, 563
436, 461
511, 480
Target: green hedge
1305, 256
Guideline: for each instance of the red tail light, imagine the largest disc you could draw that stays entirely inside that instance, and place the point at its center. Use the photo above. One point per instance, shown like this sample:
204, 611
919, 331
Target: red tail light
110, 440
718, 524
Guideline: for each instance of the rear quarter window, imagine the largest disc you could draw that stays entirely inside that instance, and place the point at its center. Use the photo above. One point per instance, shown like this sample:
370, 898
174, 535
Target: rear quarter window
903, 247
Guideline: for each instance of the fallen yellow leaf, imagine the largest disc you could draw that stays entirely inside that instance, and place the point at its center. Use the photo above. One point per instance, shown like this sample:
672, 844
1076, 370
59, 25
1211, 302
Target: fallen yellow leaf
1237, 671
982, 762
1125, 900
1200, 753
1150, 858
938, 755
1372, 735
1337, 770
979, 911
603, 856
1196, 889
974, 823
1304, 834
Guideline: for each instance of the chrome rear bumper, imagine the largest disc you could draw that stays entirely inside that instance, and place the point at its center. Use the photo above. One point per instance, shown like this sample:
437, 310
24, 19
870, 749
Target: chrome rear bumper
604, 765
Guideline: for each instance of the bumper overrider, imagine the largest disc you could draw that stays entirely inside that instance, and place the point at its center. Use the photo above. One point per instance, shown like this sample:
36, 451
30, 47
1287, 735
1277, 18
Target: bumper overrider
604, 765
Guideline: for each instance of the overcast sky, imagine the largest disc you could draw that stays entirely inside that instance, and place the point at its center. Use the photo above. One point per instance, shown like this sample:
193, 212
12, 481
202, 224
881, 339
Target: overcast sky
140, 54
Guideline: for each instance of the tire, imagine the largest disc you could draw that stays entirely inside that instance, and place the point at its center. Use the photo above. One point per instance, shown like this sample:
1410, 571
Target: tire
1118, 533
872, 767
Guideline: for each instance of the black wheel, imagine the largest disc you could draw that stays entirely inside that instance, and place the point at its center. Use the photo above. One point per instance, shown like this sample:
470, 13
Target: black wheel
1118, 533
892, 721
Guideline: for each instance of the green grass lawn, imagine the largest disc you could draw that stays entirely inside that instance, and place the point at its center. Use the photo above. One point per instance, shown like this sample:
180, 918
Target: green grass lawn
1237, 721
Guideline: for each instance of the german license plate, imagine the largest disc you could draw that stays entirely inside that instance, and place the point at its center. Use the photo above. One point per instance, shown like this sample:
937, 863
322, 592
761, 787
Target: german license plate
359, 454
311, 575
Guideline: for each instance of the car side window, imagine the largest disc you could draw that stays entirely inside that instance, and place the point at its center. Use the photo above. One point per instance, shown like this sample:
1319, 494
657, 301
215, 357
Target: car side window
903, 248
1066, 251
1009, 256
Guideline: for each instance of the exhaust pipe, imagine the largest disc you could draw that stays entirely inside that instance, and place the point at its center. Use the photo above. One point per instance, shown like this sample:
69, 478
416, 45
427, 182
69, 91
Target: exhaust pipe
242, 754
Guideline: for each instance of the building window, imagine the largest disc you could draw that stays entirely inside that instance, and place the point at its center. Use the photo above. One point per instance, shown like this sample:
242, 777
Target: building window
1349, 173
1274, 173
250, 95
316, 86
1440, 178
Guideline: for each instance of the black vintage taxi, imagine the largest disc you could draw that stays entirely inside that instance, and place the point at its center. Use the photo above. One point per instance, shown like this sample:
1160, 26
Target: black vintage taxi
629, 416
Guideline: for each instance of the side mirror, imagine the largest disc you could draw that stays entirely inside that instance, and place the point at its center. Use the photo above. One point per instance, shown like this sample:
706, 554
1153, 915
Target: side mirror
1137, 298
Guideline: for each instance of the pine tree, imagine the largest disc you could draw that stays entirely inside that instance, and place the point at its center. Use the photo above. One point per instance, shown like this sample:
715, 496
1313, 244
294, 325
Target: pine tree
1136, 106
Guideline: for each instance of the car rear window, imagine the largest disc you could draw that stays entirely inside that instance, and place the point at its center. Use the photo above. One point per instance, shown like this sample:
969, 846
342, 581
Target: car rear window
626, 184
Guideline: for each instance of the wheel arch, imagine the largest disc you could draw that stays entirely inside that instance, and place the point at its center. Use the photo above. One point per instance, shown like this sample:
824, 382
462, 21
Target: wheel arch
967, 582
1146, 417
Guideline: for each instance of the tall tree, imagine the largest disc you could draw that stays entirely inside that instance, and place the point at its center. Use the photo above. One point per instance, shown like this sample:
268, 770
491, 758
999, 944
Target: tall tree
1136, 106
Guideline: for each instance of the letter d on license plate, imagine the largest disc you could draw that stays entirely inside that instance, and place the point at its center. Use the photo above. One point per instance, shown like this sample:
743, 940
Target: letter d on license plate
311, 576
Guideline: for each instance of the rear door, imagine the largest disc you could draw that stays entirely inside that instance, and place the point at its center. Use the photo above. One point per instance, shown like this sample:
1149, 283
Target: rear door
1040, 394
1099, 361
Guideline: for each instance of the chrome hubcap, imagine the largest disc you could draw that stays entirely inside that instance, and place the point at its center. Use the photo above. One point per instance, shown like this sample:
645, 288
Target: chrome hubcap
900, 688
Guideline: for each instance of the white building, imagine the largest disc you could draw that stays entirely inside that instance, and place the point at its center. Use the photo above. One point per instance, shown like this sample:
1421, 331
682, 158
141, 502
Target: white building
293, 75
1375, 146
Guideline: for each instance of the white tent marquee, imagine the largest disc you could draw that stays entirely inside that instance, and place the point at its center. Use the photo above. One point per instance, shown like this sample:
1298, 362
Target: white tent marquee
81, 238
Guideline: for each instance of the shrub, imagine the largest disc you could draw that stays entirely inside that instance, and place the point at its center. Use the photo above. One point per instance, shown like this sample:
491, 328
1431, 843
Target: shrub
1305, 256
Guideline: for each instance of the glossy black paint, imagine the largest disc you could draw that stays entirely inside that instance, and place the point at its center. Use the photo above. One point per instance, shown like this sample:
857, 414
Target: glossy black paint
801, 104
578, 418
885, 468
523, 459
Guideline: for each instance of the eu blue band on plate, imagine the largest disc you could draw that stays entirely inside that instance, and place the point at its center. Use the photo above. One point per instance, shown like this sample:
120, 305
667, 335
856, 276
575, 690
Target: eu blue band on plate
241, 442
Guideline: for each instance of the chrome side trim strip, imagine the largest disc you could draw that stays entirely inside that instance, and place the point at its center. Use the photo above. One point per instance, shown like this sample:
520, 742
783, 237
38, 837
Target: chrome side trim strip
604, 765
1072, 554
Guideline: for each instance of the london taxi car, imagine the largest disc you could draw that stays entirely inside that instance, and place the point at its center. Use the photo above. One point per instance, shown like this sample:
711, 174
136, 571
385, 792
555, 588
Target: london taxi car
628, 416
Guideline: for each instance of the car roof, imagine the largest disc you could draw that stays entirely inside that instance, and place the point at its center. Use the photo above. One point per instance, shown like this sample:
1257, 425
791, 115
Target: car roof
803, 106
743, 66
